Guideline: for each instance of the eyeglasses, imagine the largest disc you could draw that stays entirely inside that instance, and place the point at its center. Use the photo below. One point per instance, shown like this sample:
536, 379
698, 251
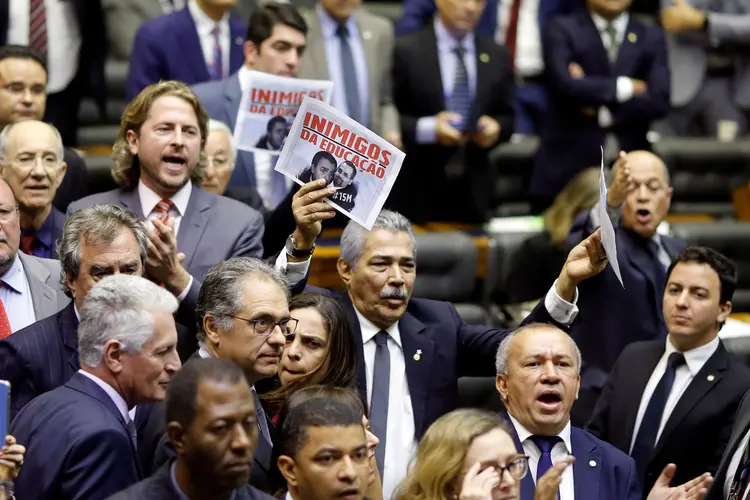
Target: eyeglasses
264, 326
517, 468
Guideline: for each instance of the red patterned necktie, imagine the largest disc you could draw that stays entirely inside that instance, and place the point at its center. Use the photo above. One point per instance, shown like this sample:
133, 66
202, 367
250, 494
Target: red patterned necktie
27, 244
162, 210
5, 330
512, 33
38, 26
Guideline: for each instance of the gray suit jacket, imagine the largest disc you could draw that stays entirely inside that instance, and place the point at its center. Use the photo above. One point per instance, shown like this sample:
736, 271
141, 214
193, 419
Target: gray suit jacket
729, 24
43, 276
377, 42
213, 229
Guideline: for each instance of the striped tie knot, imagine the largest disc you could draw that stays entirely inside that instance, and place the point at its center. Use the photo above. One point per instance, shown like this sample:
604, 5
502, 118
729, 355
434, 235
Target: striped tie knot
162, 210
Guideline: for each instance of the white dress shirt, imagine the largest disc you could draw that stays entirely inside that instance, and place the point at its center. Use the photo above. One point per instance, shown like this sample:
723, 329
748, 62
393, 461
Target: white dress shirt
117, 399
528, 60
694, 361
262, 161
401, 441
734, 465
294, 271
558, 452
332, 42
204, 25
63, 39
16, 297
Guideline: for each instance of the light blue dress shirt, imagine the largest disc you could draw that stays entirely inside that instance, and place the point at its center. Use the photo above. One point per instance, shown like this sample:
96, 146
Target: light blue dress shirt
446, 46
328, 27
16, 297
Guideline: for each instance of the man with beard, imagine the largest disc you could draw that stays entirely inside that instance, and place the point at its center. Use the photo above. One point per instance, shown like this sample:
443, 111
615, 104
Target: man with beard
343, 179
211, 417
276, 132
322, 166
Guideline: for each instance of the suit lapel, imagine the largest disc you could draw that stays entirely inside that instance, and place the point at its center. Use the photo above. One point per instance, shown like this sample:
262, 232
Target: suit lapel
589, 31
131, 201
191, 46
704, 381
588, 465
431, 70
528, 487
484, 67
68, 324
370, 48
232, 98
673, 246
236, 42
317, 48
633, 390
630, 48
640, 259
193, 223
43, 298
418, 357
351, 316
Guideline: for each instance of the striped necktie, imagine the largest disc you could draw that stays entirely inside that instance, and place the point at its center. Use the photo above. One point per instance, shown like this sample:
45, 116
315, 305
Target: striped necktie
38, 26
460, 101
5, 330
216, 69
162, 209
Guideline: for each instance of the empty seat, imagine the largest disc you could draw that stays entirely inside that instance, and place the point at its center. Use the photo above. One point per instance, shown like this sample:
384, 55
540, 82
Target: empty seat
511, 165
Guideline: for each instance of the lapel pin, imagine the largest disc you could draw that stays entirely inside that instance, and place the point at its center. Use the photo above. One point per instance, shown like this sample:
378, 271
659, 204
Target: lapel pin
484, 58
632, 38
592, 463
710, 378
418, 355
239, 40
366, 35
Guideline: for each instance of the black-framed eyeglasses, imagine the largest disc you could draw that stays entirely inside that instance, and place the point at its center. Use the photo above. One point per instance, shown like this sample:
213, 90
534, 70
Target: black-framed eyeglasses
264, 326
517, 468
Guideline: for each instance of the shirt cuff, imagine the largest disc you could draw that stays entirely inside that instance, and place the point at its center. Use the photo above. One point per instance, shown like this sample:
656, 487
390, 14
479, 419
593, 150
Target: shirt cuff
427, 130
294, 271
624, 89
604, 117
559, 309
185, 292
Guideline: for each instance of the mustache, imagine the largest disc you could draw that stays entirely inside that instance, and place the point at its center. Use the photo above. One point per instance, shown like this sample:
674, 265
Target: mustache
394, 293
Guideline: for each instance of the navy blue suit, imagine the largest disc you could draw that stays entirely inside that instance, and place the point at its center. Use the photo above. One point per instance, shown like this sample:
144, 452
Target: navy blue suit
78, 445
168, 48
570, 138
611, 477
450, 348
634, 312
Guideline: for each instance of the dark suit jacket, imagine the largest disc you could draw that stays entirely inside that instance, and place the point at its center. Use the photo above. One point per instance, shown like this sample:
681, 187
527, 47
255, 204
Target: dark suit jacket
75, 184
418, 92
159, 487
78, 445
603, 332
90, 17
450, 349
612, 477
168, 48
157, 440
570, 139
698, 429
736, 441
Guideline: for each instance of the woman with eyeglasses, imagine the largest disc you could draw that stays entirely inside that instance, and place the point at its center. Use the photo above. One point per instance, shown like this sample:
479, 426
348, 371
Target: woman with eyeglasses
469, 455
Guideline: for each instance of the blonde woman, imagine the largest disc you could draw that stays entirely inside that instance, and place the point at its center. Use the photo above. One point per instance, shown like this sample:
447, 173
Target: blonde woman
469, 455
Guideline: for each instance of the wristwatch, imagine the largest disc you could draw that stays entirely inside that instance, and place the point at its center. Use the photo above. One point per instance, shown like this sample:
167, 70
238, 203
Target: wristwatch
293, 251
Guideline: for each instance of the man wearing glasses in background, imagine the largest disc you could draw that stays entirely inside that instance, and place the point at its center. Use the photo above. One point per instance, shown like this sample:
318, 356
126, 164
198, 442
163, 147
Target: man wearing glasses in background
243, 316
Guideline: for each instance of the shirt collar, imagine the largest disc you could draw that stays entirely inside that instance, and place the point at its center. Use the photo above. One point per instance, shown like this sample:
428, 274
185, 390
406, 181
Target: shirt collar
524, 434
620, 22
369, 330
446, 42
329, 25
45, 233
695, 358
204, 25
149, 199
115, 396
15, 277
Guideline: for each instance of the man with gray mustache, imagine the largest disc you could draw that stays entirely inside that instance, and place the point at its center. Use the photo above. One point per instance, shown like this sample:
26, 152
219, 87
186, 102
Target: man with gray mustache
413, 351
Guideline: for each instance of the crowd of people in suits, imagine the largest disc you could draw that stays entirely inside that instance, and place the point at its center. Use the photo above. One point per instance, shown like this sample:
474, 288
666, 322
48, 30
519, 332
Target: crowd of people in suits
161, 341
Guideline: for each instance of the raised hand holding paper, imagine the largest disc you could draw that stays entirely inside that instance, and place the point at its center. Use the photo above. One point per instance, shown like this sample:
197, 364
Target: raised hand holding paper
608, 231
268, 106
325, 143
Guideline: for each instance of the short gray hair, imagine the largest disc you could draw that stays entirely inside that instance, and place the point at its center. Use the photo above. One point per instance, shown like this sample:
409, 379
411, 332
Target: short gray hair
222, 290
6, 132
354, 236
120, 307
219, 126
95, 224
503, 350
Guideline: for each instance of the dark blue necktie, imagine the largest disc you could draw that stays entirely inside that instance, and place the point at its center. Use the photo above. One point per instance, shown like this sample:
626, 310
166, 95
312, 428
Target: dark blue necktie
460, 101
645, 441
545, 445
349, 70
381, 383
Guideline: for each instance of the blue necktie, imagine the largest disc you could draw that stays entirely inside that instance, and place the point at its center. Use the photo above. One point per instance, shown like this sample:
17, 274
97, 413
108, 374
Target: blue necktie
349, 70
215, 69
545, 445
646, 439
460, 101
381, 383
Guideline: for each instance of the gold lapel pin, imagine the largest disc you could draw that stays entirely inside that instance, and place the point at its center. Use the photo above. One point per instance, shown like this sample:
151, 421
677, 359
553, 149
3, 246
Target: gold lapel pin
418, 355
632, 37
366, 35
484, 58
710, 378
